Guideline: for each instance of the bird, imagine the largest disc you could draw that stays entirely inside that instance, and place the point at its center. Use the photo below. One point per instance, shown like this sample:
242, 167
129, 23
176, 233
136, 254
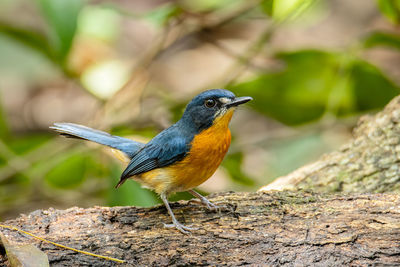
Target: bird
179, 158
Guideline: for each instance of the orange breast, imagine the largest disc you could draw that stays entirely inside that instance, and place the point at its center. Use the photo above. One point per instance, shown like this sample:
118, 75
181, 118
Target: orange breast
206, 154
208, 149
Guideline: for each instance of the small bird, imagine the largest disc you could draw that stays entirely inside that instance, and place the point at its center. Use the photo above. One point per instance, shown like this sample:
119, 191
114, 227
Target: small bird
180, 157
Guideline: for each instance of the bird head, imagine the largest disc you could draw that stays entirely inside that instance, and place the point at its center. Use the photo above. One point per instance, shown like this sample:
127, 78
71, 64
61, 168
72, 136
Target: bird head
210, 107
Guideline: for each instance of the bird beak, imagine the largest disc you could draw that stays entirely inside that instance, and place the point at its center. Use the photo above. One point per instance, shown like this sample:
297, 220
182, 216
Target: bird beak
238, 101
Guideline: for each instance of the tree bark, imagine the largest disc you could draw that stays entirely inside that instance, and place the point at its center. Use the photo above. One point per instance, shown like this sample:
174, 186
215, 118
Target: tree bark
370, 162
275, 228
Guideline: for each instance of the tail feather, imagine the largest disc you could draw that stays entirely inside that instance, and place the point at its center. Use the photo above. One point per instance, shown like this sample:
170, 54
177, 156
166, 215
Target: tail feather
72, 130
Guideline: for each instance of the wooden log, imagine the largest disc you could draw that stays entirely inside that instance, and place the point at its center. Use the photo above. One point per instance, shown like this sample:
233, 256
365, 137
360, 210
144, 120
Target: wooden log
257, 229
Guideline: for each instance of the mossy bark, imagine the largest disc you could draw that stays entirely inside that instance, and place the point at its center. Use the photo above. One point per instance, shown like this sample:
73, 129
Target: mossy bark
370, 162
258, 229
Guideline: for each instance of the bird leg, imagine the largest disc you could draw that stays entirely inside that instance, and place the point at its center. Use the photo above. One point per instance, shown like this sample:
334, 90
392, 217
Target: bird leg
175, 224
204, 200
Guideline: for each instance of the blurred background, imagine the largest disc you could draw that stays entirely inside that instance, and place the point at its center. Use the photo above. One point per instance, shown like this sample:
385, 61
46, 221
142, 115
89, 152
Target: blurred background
129, 67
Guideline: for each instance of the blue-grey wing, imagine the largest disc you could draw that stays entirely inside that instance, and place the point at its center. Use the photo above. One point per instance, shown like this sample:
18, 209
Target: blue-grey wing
159, 152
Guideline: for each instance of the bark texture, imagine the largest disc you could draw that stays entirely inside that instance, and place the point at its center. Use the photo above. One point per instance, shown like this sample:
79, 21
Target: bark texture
369, 163
265, 229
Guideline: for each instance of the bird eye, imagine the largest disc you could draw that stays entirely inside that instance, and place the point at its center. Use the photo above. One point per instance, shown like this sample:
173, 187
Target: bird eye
210, 103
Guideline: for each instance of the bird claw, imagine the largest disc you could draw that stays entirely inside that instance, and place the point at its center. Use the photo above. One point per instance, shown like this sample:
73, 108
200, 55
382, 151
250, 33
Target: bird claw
212, 206
182, 228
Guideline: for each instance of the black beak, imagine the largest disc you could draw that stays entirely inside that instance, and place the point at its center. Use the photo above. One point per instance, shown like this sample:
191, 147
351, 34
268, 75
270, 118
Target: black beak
238, 101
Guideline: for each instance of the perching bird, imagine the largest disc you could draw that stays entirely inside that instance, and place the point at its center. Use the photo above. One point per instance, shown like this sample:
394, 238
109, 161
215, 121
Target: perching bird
180, 157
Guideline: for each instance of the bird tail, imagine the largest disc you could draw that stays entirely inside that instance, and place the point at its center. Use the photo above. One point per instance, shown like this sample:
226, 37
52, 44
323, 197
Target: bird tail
72, 130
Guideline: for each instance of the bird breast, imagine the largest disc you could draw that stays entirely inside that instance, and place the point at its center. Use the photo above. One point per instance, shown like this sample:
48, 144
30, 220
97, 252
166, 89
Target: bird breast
207, 151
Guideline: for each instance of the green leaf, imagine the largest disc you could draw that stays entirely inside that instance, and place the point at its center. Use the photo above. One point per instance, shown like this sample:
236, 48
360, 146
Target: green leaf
382, 39
29, 38
285, 9
315, 82
232, 163
391, 9
267, 6
297, 94
70, 173
99, 22
372, 89
61, 17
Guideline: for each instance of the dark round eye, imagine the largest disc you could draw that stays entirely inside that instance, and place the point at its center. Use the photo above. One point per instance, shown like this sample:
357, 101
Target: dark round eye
210, 103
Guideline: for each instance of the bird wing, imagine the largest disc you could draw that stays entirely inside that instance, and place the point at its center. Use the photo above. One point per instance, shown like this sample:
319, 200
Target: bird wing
159, 152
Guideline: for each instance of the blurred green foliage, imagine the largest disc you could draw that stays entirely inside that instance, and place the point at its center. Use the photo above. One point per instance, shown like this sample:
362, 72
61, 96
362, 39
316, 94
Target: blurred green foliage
285, 9
315, 82
163, 14
61, 17
308, 86
233, 164
391, 9
382, 39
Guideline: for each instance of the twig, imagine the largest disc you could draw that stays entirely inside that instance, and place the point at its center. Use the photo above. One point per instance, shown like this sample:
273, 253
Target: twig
61, 246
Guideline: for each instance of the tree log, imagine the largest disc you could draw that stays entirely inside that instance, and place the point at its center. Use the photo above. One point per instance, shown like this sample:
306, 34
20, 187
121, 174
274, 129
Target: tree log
275, 228
368, 163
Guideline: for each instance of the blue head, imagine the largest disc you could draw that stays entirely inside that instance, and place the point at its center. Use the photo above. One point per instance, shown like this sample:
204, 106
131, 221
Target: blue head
209, 105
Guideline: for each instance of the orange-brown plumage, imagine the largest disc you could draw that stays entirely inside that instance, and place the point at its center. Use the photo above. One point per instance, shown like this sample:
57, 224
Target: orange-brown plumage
208, 149
206, 154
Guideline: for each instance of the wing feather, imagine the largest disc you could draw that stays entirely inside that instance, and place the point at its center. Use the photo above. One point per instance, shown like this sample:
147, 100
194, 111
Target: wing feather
162, 151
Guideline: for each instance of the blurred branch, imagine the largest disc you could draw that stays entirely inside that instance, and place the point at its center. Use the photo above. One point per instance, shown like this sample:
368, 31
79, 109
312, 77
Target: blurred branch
128, 98
206, 27
19, 164
15, 163
224, 49
247, 7
244, 61
30, 38
382, 39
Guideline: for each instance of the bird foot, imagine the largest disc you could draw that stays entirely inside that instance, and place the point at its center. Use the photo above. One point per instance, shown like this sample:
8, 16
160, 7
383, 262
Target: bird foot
211, 206
182, 228
216, 208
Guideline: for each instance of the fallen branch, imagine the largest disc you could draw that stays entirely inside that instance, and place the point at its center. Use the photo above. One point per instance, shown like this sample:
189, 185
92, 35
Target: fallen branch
274, 228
